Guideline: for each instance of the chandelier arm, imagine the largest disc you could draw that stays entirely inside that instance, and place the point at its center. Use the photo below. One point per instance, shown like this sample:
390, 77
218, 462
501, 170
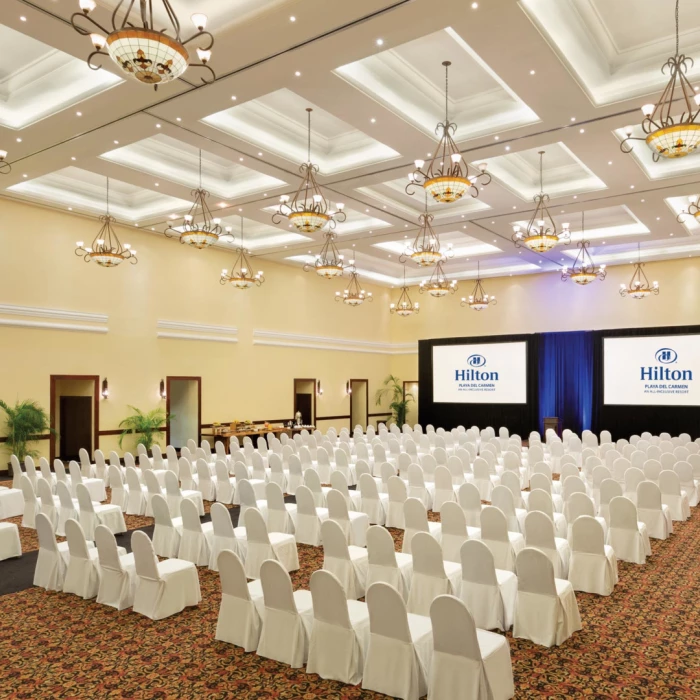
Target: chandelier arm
196, 35
628, 148
171, 15
83, 31
127, 12
5, 167
97, 52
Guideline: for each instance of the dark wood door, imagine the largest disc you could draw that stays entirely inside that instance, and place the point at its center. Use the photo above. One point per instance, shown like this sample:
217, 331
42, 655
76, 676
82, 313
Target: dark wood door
303, 404
75, 426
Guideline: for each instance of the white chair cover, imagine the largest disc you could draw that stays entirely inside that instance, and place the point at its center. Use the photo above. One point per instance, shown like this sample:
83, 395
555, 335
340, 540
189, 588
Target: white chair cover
354, 524
593, 565
92, 515
263, 545
163, 588
225, 536
546, 612
195, 541
167, 530
308, 518
385, 564
50, 568
416, 517
83, 571
239, 621
347, 562
652, 512
467, 662
280, 515
118, 579
627, 535
504, 545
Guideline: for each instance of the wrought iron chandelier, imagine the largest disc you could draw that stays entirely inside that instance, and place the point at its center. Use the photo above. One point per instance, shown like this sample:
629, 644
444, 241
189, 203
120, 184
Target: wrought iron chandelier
438, 285
142, 52
5, 167
329, 262
425, 249
448, 176
541, 234
666, 137
584, 270
199, 229
241, 275
479, 300
639, 286
692, 210
404, 306
353, 295
309, 210
106, 249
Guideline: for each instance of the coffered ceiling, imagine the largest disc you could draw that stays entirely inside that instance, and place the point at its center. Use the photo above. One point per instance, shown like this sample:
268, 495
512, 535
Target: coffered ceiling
561, 76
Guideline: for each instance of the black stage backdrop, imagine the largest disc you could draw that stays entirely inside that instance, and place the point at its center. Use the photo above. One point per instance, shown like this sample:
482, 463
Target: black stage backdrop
623, 421
518, 418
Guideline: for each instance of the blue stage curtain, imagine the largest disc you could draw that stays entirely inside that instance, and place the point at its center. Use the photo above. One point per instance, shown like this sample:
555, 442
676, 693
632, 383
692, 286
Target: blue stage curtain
566, 379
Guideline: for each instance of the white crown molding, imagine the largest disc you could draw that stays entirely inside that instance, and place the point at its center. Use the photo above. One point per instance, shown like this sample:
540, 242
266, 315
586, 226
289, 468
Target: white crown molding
315, 342
12, 310
180, 330
17, 323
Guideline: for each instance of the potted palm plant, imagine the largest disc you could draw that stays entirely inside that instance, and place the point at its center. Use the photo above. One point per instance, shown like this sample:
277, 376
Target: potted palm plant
147, 425
393, 388
24, 422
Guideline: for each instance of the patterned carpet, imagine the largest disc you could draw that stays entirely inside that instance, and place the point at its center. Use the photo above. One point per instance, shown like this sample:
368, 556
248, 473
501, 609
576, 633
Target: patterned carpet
642, 642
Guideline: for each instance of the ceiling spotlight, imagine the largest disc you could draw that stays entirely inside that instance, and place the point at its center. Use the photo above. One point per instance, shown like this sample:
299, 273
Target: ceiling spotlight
72, 157
19, 140
178, 119
297, 73
260, 154
78, 114
475, 5
157, 126
532, 72
292, 19
373, 120
233, 97
507, 148
380, 42
581, 131
116, 143
573, 119
22, 19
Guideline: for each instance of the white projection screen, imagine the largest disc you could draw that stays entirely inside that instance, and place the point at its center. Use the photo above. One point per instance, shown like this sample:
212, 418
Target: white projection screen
483, 373
652, 370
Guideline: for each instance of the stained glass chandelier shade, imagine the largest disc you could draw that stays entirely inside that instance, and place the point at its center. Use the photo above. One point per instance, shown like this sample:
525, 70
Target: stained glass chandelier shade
242, 275
328, 263
353, 294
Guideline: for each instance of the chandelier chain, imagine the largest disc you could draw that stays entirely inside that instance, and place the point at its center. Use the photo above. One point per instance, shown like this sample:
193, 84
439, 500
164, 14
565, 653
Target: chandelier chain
308, 149
677, 31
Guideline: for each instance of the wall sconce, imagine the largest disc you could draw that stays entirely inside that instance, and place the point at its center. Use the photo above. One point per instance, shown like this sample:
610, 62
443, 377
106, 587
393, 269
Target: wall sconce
319, 388
348, 388
162, 389
105, 388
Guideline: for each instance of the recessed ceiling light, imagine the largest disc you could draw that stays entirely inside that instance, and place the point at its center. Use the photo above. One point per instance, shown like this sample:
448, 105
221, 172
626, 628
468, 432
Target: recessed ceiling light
157, 126
78, 114
241, 159
631, 187
70, 208
670, 234
24, 174
239, 209
72, 157
152, 228
643, 201
462, 227
157, 184
384, 207
493, 222
430, 155
475, 5
19, 140
495, 138
173, 216
507, 148
532, 72
515, 206
658, 218
575, 196
292, 19
297, 73
260, 154
178, 119
22, 19
581, 131
373, 120
609, 162
366, 211
116, 142
603, 242
265, 194
380, 42
233, 97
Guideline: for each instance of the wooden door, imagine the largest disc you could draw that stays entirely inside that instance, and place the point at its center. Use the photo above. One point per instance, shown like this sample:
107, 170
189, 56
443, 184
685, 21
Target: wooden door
75, 429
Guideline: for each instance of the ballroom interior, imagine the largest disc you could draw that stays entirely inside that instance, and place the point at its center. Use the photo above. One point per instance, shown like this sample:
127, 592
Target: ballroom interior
314, 316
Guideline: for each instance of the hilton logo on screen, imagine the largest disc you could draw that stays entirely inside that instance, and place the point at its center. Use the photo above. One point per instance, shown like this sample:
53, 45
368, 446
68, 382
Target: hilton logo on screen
662, 372
473, 374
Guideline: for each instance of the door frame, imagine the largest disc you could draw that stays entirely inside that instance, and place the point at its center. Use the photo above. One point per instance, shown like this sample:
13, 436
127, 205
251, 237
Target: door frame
313, 397
167, 403
352, 420
95, 378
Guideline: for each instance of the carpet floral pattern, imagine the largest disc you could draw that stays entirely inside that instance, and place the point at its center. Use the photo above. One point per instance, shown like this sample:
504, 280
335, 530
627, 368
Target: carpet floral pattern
641, 642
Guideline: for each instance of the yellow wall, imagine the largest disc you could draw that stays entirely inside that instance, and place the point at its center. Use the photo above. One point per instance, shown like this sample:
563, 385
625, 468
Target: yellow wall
172, 282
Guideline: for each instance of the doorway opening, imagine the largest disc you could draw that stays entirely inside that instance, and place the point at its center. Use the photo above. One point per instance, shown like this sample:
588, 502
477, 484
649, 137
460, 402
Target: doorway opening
359, 403
305, 400
412, 408
183, 401
74, 414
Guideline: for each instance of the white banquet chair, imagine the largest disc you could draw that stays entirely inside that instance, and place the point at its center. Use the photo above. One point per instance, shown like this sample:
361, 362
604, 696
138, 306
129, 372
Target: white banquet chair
454, 531
340, 483
225, 536
137, 499
652, 512
116, 482
542, 501
593, 565
489, 593
68, 508
264, 545
95, 487
288, 617
163, 588
467, 662
83, 570
374, 504
539, 533
239, 620
340, 633
280, 515
48, 503
469, 500
308, 518
504, 545
385, 564
117, 581
50, 570
91, 514
609, 489
225, 484
432, 576
416, 518
626, 534
400, 646
167, 530
672, 496
347, 562
31, 503
398, 493
546, 611
196, 537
